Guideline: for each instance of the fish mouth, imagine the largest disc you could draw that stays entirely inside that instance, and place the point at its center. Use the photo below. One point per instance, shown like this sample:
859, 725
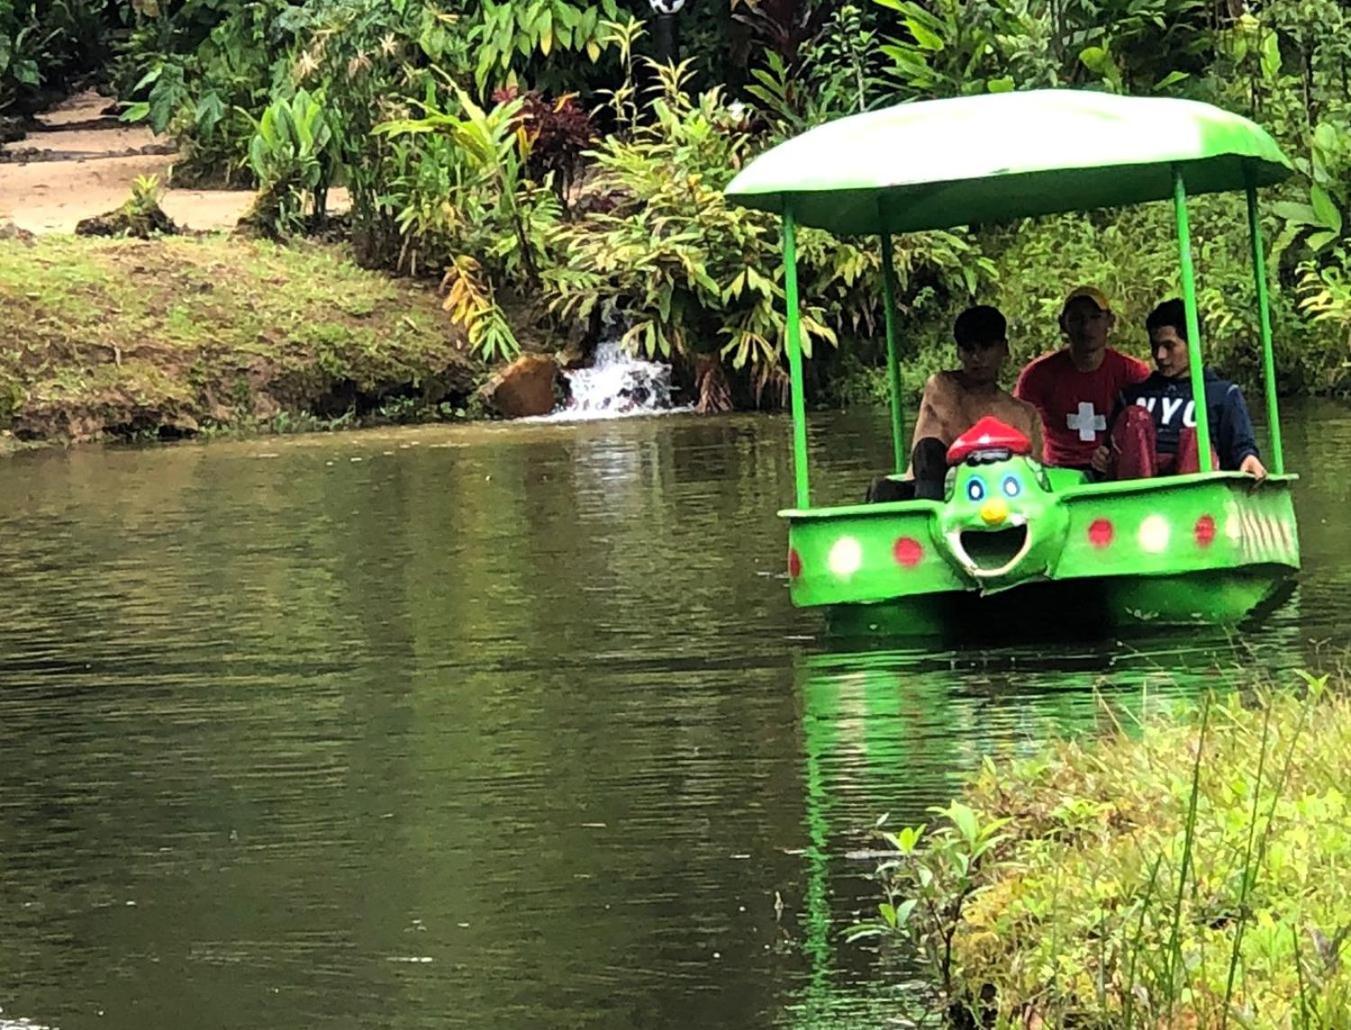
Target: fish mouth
987, 553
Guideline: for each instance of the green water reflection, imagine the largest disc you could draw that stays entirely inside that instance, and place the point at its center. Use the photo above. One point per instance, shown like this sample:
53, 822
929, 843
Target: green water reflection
907, 725
492, 726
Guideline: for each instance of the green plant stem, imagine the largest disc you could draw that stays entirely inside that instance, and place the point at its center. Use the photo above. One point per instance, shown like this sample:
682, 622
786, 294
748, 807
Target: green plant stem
1249, 873
1128, 1002
1174, 940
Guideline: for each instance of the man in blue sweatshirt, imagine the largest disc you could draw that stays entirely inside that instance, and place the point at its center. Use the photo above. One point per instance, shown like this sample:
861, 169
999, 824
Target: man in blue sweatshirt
1153, 430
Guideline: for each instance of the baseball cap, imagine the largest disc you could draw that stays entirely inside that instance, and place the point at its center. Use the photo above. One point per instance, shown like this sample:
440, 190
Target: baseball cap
1092, 293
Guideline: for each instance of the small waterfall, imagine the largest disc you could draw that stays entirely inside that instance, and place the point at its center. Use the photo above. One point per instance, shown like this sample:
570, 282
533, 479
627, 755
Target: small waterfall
616, 385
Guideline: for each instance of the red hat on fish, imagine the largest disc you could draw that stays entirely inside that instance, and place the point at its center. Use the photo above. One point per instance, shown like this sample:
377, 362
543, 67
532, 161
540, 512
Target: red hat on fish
989, 434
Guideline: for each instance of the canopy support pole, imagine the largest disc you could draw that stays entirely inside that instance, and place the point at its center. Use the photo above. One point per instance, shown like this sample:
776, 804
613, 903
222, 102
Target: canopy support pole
1259, 271
794, 346
1198, 374
893, 362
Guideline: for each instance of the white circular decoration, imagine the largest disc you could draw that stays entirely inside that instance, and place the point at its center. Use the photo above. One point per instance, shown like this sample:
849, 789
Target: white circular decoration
667, 6
1154, 533
845, 557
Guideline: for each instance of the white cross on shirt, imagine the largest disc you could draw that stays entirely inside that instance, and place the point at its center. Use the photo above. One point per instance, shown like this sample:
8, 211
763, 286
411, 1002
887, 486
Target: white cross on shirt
1088, 422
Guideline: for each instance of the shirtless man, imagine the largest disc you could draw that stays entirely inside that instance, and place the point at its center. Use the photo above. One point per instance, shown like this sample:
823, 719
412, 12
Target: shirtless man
1075, 388
955, 401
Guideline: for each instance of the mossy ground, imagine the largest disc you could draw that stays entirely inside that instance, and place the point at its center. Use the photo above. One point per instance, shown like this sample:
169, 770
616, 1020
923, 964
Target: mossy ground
116, 338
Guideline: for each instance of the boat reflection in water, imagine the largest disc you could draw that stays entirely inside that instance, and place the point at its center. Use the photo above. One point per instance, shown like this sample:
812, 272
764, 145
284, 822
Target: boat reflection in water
892, 731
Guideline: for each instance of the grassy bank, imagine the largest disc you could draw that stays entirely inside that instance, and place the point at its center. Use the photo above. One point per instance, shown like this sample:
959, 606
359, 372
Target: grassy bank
1187, 873
167, 337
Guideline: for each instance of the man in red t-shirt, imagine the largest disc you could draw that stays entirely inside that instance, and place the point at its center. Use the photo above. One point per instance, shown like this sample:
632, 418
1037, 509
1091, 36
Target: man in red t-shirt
1075, 389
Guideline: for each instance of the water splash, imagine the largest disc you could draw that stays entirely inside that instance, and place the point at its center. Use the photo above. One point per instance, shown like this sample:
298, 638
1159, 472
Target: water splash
617, 385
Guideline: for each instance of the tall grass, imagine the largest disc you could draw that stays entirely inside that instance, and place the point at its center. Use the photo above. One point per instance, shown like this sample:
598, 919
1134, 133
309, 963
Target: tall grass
1158, 878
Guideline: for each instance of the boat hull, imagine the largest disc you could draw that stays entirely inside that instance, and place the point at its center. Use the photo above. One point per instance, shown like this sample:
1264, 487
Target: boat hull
1072, 607
1204, 548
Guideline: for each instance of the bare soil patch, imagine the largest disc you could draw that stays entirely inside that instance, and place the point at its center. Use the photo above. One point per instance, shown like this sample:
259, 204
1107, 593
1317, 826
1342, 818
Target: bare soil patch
80, 165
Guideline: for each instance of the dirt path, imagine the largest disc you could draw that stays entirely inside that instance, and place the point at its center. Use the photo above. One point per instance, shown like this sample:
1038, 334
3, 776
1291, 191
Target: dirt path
82, 163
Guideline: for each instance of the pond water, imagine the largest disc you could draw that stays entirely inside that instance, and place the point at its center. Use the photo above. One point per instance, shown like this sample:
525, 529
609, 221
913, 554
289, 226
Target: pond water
496, 726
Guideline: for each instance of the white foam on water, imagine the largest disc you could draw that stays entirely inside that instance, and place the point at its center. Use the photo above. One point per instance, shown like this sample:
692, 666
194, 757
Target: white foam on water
617, 385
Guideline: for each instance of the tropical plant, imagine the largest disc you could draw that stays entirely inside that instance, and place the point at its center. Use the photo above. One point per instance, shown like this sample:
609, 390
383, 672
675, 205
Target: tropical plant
472, 305
928, 885
19, 56
146, 193
202, 74
663, 255
292, 158
782, 27
494, 146
508, 35
671, 259
557, 132
1325, 297
475, 210
837, 71
44, 44
622, 100
954, 47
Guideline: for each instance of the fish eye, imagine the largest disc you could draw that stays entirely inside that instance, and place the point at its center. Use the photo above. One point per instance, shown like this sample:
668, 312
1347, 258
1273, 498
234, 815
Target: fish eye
1012, 486
975, 488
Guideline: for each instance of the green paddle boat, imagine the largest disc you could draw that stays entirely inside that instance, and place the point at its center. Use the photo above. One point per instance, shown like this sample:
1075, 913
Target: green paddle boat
1012, 534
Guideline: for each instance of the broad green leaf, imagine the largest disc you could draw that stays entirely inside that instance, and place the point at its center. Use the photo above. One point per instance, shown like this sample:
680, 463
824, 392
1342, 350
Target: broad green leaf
964, 819
1292, 212
148, 78
1319, 240
1325, 138
924, 36
1271, 55
1094, 58
566, 14
486, 59
1325, 209
209, 111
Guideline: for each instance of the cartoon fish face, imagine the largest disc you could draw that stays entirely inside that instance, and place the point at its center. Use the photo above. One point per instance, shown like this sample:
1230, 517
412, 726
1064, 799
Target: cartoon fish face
1002, 523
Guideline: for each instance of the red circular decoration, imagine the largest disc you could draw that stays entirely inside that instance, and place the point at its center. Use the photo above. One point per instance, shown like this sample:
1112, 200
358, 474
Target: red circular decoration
1205, 531
1100, 532
794, 564
907, 551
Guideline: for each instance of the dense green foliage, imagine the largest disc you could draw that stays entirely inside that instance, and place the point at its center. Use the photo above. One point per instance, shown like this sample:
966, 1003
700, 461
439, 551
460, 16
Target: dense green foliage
534, 157
686, 272
46, 44
1183, 875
